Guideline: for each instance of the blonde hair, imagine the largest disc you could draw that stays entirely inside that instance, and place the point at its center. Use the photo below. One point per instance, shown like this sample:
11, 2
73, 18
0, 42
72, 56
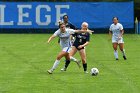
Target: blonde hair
84, 23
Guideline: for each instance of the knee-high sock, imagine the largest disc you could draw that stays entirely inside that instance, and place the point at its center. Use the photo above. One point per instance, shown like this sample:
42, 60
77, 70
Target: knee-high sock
56, 63
116, 53
85, 66
67, 63
123, 52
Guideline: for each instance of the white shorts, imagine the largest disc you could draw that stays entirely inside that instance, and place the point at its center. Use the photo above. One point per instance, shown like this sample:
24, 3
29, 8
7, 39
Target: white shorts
66, 49
117, 40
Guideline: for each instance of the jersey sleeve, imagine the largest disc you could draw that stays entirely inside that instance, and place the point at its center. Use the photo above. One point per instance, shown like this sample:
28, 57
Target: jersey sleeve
110, 29
71, 31
121, 27
88, 37
57, 32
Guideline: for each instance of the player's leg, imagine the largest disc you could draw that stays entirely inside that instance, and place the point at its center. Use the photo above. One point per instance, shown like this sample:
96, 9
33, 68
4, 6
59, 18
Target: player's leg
67, 57
115, 50
82, 53
72, 53
57, 61
121, 45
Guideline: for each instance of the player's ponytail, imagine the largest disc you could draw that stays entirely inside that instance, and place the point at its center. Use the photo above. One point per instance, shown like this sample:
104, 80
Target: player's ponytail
60, 22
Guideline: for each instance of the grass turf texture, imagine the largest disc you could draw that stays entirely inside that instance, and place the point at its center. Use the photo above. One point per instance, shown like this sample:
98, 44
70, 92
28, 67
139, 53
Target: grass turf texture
25, 59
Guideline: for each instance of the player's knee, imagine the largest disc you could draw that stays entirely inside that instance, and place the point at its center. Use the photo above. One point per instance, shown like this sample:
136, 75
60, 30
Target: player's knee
115, 47
121, 49
58, 58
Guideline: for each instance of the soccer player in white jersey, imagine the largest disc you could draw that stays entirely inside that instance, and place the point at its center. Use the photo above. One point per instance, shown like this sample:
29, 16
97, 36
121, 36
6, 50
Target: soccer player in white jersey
116, 30
65, 43
81, 41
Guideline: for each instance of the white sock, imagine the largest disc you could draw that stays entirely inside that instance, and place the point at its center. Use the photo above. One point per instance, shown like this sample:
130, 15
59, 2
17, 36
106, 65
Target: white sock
73, 59
116, 53
55, 64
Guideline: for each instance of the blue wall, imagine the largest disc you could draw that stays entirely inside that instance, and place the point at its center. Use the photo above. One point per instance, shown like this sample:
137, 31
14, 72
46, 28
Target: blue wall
45, 15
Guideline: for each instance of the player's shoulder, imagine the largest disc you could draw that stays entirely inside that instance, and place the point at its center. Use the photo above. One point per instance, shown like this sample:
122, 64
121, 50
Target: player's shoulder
58, 31
69, 29
119, 24
111, 25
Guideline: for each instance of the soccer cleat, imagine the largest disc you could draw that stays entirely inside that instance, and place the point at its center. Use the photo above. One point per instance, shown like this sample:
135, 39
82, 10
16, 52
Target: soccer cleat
63, 69
78, 63
50, 71
124, 57
117, 59
86, 72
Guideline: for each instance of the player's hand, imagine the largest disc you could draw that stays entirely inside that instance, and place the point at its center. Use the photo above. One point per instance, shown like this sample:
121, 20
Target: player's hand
119, 37
81, 46
90, 31
48, 42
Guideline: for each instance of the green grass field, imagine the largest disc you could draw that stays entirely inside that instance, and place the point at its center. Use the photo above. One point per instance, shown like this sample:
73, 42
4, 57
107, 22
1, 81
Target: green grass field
25, 59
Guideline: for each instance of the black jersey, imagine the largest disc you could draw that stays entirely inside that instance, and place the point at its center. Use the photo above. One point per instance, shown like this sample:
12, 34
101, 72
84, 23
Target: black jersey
81, 38
69, 25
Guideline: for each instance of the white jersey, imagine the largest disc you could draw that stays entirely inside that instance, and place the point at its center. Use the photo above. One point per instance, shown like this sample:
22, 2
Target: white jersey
116, 29
65, 37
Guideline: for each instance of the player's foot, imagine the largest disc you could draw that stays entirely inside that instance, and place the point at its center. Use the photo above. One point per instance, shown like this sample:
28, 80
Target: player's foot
86, 72
50, 71
78, 63
63, 69
117, 59
124, 57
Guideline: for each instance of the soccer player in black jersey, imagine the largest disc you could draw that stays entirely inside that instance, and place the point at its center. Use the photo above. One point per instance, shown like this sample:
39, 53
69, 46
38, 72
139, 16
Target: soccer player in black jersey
81, 40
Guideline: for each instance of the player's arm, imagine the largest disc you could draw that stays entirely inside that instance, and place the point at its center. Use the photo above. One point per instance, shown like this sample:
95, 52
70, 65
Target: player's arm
72, 31
110, 34
87, 41
84, 31
122, 31
51, 38
85, 44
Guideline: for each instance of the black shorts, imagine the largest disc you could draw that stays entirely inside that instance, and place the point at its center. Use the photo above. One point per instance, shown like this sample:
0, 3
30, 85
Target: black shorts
76, 45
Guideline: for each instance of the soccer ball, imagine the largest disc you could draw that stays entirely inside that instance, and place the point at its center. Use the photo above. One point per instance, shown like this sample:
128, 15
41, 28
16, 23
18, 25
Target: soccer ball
94, 72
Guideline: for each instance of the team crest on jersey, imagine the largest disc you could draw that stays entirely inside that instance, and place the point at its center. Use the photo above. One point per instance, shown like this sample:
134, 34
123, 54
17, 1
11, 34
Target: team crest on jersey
82, 37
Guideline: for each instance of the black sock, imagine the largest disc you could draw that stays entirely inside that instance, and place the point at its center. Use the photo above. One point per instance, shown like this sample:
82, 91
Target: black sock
85, 66
67, 63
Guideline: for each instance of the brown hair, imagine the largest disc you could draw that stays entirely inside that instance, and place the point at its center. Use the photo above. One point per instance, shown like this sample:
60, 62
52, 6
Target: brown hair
61, 23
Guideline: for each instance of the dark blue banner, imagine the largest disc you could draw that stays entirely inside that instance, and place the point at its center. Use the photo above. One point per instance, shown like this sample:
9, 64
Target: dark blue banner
47, 14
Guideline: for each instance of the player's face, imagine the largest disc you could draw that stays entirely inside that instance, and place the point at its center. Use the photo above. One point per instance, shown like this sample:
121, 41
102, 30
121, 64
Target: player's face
115, 20
84, 27
65, 19
62, 28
